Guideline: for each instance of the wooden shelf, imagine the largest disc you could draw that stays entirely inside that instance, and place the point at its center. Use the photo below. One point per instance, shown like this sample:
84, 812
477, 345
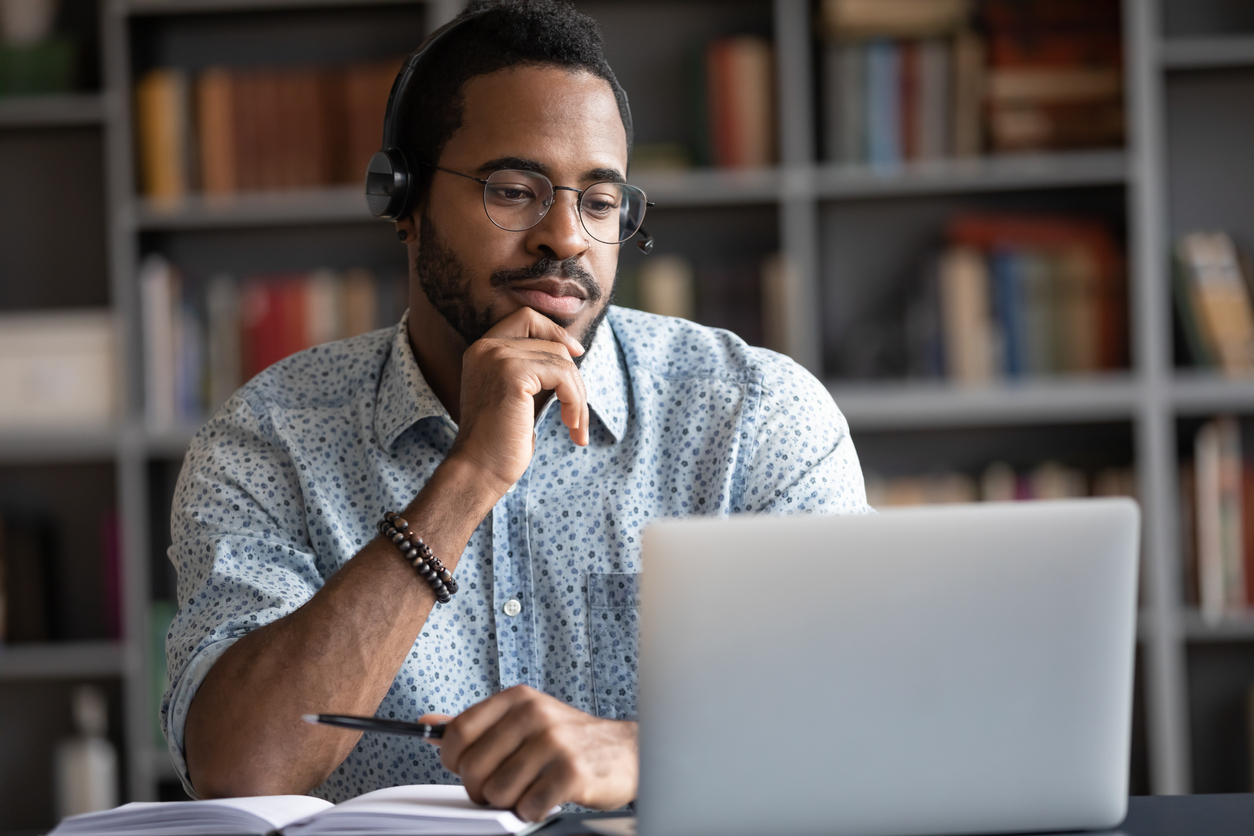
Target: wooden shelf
76, 660
924, 404
69, 110
977, 174
1208, 52
299, 207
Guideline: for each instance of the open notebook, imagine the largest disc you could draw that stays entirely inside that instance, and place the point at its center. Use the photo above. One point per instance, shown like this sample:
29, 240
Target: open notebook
445, 810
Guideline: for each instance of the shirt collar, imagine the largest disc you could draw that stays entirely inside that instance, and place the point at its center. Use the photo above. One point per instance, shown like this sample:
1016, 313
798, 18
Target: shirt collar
605, 378
405, 397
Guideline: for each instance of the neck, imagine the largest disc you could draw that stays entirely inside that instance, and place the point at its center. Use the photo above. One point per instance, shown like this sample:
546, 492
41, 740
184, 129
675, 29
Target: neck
438, 348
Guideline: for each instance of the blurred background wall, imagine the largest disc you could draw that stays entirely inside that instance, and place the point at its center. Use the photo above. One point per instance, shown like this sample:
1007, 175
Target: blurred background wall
1009, 234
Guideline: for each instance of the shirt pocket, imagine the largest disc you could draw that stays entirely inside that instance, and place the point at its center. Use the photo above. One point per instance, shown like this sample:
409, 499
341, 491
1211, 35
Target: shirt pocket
614, 639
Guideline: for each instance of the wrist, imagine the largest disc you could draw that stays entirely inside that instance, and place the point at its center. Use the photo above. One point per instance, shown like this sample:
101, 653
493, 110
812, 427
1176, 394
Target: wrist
463, 475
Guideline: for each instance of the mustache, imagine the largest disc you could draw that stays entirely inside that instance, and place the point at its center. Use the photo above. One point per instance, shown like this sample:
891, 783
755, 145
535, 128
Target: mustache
546, 267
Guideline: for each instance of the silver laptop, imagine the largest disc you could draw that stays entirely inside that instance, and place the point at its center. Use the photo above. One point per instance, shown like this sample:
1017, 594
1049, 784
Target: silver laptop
965, 669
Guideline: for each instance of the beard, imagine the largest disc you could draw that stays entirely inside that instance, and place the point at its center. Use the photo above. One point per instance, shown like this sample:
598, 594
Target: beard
443, 278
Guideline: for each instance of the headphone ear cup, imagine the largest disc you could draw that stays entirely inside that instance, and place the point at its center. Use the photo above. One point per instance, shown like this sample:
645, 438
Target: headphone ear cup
387, 184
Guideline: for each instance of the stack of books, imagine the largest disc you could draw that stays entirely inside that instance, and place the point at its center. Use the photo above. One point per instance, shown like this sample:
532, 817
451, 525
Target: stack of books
227, 130
1055, 74
1217, 519
1019, 297
999, 482
901, 81
907, 80
202, 340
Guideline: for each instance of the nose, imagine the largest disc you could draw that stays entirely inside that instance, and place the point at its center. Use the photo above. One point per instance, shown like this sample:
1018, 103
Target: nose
560, 231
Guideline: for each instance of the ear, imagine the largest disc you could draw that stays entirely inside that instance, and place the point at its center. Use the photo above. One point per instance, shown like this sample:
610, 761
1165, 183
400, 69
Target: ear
407, 228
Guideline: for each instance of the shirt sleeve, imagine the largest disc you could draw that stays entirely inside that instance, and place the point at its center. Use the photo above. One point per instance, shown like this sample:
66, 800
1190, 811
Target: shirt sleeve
803, 460
240, 549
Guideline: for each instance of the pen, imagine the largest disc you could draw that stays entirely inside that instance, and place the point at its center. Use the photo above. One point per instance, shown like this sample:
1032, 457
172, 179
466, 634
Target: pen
374, 724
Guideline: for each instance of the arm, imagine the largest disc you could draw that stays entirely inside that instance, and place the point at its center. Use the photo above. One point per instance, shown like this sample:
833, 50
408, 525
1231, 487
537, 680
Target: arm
341, 650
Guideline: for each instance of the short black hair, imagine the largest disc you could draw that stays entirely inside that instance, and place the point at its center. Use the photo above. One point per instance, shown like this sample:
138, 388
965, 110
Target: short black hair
504, 33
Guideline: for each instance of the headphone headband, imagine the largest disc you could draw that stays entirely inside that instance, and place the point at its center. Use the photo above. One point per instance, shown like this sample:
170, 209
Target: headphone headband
389, 175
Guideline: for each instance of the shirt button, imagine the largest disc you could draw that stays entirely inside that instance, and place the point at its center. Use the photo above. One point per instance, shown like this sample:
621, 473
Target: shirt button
512, 607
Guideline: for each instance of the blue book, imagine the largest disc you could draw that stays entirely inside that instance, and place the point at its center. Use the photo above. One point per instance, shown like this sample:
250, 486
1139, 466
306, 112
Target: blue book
1009, 307
883, 103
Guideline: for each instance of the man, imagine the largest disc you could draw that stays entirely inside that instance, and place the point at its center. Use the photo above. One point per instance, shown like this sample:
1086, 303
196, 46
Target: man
522, 426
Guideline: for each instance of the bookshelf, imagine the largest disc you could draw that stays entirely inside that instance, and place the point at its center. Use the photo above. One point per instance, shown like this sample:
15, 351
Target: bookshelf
844, 228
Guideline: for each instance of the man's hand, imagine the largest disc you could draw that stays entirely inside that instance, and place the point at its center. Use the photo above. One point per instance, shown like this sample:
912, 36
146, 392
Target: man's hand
525, 751
523, 355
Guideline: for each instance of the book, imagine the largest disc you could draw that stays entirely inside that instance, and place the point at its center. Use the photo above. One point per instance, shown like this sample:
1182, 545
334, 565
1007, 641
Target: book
964, 307
998, 482
667, 287
440, 810
883, 117
158, 292
740, 99
161, 129
58, 369
1218, 519
1214, 301
843, 102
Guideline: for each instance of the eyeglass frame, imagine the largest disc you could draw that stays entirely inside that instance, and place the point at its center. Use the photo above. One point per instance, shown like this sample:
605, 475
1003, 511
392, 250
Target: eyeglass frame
578, 204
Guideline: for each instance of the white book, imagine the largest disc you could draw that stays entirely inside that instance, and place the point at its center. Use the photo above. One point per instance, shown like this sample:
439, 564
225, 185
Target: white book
156, 297
439, 810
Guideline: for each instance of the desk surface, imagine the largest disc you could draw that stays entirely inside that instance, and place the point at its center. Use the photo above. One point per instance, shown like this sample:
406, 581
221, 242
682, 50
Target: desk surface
1161, 815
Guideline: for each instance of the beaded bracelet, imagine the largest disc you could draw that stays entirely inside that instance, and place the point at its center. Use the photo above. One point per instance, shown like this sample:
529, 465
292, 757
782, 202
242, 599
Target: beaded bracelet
419, 554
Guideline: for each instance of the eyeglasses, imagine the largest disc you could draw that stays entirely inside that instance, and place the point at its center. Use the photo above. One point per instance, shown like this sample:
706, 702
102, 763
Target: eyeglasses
517, 200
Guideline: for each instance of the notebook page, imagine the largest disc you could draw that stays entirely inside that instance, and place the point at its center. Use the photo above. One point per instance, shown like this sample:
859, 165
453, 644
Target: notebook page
260, 814
430, 808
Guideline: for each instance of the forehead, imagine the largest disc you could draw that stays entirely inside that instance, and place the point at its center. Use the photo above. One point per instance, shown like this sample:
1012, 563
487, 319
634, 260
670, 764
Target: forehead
559, 116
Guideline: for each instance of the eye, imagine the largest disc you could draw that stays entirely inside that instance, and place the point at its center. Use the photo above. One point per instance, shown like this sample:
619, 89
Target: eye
602, 202
511, 194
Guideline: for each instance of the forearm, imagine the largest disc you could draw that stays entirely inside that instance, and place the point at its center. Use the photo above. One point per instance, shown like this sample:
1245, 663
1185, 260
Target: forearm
338, 653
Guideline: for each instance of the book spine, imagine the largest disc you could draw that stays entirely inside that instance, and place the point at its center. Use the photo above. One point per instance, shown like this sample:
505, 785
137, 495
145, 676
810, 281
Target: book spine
883, 85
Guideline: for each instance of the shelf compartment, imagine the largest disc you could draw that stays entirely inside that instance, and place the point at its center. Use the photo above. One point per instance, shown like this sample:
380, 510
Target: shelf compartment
346, 204
976, 174
70, 110
921, 405
1208, 52
74, 660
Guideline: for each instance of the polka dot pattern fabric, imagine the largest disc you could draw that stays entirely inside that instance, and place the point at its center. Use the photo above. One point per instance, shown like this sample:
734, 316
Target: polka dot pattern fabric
284, 485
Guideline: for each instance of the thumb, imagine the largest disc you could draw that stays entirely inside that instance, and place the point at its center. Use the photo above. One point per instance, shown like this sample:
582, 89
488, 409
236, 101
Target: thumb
434, 720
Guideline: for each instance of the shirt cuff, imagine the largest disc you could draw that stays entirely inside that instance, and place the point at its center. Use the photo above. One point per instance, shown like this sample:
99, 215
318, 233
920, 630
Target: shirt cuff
181, 695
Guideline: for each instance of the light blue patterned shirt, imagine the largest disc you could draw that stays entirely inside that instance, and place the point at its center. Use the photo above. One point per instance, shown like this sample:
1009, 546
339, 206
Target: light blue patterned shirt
285, 484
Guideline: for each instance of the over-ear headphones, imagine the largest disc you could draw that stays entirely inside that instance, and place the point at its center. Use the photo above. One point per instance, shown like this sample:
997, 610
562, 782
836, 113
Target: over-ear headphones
389, 175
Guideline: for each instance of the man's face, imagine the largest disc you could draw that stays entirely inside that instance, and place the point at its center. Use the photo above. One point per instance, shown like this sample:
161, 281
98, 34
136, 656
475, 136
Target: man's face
562, 123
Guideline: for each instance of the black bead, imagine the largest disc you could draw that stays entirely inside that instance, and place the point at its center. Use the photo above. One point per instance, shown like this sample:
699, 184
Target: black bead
452, 587
400, 524
398, 538
445, 574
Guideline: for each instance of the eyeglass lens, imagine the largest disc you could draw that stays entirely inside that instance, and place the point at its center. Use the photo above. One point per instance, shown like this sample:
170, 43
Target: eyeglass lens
518, 200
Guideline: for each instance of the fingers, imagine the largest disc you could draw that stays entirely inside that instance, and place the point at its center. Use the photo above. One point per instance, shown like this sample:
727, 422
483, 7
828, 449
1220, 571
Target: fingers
562, 377
526, 324
434, 720
467, 727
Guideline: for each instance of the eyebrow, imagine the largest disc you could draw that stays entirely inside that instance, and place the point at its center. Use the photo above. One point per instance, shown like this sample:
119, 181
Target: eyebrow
592, 175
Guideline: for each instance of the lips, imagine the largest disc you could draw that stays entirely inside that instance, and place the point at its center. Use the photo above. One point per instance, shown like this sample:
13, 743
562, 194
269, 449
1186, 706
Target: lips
550, 295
